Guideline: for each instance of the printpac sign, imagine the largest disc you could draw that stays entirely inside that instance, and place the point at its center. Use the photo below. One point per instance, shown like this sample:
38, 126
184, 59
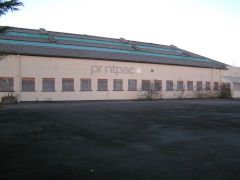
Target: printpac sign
112, 69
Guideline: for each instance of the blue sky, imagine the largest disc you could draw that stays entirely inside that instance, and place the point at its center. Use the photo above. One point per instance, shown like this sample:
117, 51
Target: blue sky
207, 27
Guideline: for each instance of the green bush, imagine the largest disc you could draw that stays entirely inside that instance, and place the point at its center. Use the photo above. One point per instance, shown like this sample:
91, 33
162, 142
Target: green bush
225, 90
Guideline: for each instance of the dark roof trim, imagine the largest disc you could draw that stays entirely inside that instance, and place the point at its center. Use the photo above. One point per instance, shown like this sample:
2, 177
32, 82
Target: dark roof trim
64, 53
118, 60
69, 46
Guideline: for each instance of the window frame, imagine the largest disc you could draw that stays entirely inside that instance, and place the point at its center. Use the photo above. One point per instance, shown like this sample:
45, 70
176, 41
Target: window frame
155, 87
169, 81
28, 79
135, 89
206, 87
11, 78
84, 79
148, 81
201, 87
98, 84
54, 87
214, 86
73, 85
182, 82
118, 80
188, 85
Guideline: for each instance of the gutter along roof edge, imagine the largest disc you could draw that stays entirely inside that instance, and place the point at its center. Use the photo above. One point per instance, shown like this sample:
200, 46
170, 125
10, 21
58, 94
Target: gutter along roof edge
118, 60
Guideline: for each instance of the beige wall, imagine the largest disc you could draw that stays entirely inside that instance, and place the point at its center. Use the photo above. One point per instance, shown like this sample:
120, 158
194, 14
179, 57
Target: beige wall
231, 76
58, 68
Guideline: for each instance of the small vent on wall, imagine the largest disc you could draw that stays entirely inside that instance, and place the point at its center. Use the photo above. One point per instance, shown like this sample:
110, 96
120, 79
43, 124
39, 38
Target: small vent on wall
43, 31
52, 39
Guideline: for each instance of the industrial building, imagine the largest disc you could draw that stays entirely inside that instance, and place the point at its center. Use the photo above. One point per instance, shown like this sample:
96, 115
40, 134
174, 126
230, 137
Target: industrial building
52, 66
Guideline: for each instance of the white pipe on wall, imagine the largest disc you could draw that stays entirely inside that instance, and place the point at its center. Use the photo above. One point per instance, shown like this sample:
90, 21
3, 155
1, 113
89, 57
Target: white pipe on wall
19, 77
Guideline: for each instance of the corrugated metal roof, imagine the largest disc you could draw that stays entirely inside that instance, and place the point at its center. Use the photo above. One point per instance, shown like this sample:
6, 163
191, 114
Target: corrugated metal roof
34, 42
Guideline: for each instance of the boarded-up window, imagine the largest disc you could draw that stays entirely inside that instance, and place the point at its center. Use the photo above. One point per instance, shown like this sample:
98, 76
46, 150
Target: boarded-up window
199, 85
117, 84
190, 85
28, 84
145, 85
208, 86
132, 84
102, 85
158, 85
85, 84
236, 86
48, 84
215, 86
67, 84
169, 85
6, 84
180, 86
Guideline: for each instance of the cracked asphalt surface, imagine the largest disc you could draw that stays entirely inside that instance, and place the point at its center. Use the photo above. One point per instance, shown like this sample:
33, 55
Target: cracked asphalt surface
121, 140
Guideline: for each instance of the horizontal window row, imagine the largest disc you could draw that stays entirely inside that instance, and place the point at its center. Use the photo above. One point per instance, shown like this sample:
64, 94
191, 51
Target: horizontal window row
48, 85
157, 85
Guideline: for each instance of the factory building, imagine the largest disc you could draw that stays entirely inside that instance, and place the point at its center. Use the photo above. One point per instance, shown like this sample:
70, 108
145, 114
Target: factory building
52, 66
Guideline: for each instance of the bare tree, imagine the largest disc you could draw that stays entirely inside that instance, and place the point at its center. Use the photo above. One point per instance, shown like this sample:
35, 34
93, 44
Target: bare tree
151, 92
225, 90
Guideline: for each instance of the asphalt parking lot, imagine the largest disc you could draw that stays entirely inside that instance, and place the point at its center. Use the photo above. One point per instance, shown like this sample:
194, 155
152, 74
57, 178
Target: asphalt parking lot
121, 140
